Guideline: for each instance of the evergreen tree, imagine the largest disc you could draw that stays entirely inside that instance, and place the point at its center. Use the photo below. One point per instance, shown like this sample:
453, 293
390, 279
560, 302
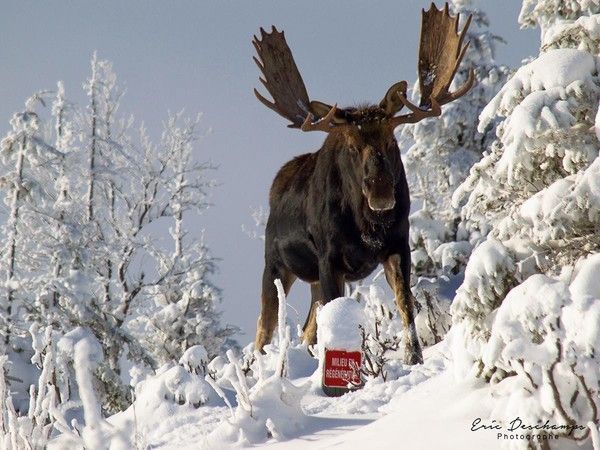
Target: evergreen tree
533, 203
30, 166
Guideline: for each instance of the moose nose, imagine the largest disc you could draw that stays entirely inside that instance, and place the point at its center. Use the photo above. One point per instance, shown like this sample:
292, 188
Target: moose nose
384, 204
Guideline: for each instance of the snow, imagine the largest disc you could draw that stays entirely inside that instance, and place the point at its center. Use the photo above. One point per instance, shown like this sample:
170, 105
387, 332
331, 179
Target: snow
195, 358
164, 403
376, 416
425, 405
338, 325
520, 340
568, 66
435, 414
586, 284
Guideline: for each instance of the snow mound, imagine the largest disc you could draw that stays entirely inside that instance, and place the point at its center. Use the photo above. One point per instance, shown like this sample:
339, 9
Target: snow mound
195, 359
271, 410
338, 325
167, 403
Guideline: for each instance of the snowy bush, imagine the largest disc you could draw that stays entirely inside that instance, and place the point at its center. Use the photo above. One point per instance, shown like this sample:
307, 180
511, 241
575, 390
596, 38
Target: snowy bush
271, 408
489, 276
195, 360
565, 216
381, 331
433, 318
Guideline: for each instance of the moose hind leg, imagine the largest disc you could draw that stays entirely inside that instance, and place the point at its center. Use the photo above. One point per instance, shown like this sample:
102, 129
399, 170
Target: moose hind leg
309, 335
397, 274
267, 321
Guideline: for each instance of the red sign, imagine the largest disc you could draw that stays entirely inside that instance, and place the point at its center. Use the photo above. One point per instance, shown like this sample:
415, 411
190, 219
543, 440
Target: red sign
342, 369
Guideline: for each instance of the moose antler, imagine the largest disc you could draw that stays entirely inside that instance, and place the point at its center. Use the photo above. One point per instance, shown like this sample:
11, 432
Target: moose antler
281, 78
324, 124
284, 82
441, 51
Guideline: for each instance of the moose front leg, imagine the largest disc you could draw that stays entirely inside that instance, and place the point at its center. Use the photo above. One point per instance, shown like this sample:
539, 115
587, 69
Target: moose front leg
332, 283
397, 274
330, 286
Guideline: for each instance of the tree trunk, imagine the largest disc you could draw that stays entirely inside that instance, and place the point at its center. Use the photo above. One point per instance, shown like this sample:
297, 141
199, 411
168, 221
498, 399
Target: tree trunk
12, 238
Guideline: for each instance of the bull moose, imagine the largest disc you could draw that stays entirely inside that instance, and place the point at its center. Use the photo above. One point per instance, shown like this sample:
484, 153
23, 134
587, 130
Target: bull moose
337, 213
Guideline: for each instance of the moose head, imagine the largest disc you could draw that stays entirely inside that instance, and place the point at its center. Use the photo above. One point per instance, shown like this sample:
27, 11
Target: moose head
366, 134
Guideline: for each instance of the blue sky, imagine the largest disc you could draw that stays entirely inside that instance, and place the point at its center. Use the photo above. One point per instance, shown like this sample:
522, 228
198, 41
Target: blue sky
197, 55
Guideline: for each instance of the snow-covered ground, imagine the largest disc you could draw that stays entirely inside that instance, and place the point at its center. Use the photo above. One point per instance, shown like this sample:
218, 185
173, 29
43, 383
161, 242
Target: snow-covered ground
422, 408
423, 404
241, 400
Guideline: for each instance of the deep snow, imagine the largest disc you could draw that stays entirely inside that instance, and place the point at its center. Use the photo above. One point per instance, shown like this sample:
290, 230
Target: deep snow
422, 408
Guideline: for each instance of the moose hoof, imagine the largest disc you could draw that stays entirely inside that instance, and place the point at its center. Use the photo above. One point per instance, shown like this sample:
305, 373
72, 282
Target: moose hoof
413, 356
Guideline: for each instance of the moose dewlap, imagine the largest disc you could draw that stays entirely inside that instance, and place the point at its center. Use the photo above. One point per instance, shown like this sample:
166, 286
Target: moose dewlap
339, 340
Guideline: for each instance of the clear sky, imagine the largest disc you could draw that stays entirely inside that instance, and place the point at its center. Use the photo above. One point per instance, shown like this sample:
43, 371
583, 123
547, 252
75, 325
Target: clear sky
197, 55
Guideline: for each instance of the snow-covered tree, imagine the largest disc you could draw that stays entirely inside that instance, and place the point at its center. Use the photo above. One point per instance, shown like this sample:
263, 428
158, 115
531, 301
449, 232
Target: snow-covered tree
85, 249
179, 301
533, 202
30, 165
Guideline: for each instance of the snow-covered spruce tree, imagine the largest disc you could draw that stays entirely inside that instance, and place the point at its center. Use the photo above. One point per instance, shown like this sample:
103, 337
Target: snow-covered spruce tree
30, 165
526, 314
440, 152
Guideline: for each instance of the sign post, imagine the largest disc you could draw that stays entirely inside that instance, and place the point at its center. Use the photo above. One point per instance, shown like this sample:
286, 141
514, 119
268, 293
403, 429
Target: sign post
341, 372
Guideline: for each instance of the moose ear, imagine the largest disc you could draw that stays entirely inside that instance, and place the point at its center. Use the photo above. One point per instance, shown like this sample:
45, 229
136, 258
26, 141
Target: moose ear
320, 110
391, 102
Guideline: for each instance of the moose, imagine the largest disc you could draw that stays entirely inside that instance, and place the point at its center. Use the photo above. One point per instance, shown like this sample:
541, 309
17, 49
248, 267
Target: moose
337, 213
